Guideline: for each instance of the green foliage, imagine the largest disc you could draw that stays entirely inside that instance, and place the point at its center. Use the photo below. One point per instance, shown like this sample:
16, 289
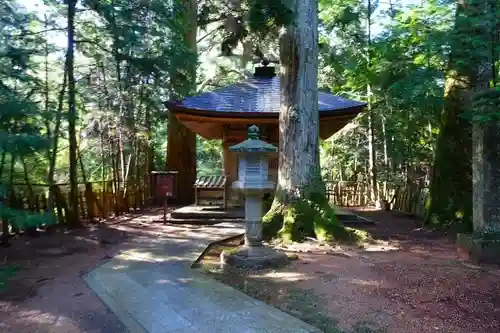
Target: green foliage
5, 274
128, 52
472, 53
209, 157
484, 106
265, 15
408, 57
20, 114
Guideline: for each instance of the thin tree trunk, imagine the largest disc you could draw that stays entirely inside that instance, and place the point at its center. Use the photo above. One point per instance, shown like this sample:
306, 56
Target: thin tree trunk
46, 84
371, 122
15, 229
31, 230
55, 140
2, 163
121, 156
8, 203
82, 168
4, 200
150, 151
73, 162
386, 157
103, 160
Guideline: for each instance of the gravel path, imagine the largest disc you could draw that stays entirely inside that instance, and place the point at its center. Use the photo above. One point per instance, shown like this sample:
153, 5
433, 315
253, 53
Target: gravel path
49, 295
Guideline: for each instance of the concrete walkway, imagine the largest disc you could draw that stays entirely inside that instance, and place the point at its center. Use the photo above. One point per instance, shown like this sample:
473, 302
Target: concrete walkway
152, 289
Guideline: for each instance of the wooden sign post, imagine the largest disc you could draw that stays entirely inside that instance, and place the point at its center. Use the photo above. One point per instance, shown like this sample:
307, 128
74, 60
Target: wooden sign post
164, 188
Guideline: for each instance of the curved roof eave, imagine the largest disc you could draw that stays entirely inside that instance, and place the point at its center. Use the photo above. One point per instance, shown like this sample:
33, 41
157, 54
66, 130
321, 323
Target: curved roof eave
255, 97
176, 108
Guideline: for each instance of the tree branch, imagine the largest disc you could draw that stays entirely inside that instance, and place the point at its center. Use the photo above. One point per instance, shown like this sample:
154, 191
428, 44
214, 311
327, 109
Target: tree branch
210, 33
81, 41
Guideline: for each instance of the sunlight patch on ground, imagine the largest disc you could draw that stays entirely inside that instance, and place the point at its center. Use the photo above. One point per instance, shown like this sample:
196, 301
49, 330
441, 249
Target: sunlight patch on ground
135, 254
164, 281
380, 247
362, 282
119, 267
283, 276
148, 257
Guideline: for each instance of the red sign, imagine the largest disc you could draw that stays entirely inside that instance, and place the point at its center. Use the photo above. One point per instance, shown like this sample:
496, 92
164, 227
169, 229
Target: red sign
164, 185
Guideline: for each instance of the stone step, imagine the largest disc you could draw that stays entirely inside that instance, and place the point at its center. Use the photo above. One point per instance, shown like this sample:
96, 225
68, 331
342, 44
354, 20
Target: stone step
153, 301
150, 313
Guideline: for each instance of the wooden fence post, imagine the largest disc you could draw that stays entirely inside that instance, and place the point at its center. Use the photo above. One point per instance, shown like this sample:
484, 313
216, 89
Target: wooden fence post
62, 208
5, 223
90, 199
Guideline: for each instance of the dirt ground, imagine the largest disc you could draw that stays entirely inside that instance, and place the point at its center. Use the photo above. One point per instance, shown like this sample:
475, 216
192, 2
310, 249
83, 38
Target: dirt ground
412, 280
48, 294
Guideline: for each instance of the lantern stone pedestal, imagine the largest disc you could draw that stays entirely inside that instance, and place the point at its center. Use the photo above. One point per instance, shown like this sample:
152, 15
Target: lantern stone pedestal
253, 182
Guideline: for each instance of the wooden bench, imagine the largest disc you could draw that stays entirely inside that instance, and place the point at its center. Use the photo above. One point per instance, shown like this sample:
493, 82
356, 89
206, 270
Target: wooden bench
212, 184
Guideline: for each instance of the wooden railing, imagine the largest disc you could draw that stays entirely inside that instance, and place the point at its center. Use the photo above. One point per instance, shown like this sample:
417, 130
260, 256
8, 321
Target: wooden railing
409, 198
348, 194
96, 200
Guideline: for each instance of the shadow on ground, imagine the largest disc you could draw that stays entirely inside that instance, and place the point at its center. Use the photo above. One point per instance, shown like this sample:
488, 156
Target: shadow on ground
412, 280
48, 293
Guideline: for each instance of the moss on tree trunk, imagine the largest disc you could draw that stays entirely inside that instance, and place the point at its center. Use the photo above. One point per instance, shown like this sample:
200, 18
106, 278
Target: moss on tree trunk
470, 67
450, 197
300, 208
293, 218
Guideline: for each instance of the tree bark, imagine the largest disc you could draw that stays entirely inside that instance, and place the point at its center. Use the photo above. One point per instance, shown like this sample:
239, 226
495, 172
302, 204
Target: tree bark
55, 139
181, 144
451, 183
73, 160
372, 157
300, 207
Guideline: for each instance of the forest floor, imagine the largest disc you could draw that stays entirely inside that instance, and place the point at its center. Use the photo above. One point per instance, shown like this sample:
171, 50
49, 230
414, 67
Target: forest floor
411, 280
49, 295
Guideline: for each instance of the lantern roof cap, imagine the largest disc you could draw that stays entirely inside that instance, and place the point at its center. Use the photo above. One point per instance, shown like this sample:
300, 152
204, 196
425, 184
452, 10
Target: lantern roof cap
253, 144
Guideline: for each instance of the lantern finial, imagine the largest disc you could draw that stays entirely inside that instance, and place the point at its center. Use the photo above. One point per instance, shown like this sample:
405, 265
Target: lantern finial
253, 133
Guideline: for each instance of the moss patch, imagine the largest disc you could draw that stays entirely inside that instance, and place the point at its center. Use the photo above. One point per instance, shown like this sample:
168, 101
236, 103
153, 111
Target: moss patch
313, 217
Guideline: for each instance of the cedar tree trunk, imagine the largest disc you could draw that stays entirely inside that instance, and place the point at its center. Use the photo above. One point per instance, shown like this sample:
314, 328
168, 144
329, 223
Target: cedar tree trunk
300, 207
181, 145
74, 218
451, 184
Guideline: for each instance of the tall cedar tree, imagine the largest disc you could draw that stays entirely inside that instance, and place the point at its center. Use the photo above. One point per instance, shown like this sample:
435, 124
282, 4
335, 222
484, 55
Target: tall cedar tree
20, 134
300, 207
181, 145
470, 60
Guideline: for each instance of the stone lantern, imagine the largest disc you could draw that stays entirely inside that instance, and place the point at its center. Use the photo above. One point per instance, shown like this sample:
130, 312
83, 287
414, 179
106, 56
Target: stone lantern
253, 182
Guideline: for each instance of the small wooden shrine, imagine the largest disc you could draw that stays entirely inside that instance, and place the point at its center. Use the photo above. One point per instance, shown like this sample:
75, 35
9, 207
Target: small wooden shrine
226, 114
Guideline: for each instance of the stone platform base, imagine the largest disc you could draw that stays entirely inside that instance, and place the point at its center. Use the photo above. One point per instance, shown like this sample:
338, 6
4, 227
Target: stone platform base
479, 248
253, 258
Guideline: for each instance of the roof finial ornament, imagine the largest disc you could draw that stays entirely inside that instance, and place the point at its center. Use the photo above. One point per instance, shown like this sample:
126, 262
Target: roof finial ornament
253, 133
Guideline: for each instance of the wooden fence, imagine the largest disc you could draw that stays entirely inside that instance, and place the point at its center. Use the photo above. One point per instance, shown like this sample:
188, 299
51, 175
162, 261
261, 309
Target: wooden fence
95, 201
410, 199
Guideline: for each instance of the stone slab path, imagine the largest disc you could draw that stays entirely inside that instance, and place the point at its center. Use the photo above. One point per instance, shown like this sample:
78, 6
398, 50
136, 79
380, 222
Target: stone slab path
152, 290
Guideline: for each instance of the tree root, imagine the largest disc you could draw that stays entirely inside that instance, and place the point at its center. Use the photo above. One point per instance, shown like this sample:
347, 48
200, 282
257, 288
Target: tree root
293, 222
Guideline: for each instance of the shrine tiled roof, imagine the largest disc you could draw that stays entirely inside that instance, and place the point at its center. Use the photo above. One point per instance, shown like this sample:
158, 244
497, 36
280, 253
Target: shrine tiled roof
256, 95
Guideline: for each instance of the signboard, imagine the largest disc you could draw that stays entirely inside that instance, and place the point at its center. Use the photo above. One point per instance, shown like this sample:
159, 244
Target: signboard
164, 184
164, 188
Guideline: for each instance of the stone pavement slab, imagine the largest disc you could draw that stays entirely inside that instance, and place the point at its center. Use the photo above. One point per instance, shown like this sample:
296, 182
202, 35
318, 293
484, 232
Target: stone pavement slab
152, 289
